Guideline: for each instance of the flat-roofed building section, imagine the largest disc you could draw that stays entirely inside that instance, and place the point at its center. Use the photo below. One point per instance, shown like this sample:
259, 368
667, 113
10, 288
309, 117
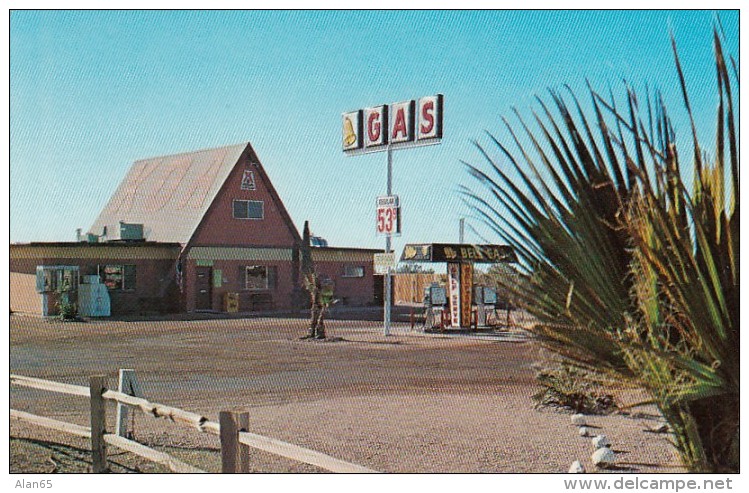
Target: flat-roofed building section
139, 275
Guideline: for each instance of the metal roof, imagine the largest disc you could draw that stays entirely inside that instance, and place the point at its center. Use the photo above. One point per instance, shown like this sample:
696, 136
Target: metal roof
169, 195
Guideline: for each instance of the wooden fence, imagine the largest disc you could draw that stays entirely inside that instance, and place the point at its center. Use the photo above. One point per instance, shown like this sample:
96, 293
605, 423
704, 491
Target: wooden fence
409, 287
232, 429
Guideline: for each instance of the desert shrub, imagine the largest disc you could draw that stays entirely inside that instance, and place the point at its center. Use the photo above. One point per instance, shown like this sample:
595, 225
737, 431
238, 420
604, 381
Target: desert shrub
568, 388
68, 311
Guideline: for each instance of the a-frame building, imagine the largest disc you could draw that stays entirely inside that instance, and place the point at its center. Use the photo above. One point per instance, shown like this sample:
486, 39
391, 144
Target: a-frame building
203, 230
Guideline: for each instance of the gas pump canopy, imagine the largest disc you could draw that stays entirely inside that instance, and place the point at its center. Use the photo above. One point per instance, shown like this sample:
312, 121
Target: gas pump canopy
460, 258
458, 252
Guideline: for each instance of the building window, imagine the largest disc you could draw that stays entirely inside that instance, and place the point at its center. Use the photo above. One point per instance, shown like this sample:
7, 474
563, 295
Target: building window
248, 209
256, 277
118, 277
353, 271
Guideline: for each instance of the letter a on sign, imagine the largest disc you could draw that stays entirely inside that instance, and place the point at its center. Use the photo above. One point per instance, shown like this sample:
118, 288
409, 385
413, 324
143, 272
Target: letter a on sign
402, 122
375, 126
430, 118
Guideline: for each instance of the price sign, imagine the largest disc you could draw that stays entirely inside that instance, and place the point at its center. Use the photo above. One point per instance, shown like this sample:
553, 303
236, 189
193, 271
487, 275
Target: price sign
388, 215
383, 262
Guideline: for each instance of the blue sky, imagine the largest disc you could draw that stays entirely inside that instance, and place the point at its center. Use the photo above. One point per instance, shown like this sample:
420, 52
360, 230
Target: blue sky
93, 91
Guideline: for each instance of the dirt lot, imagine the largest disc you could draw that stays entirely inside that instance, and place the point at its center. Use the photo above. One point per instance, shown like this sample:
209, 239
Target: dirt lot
406, 403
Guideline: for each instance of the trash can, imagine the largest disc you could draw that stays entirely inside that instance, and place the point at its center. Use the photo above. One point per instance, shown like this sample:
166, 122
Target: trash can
231, 302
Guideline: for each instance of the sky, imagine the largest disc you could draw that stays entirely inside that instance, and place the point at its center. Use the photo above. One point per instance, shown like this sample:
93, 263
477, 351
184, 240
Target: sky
93, 91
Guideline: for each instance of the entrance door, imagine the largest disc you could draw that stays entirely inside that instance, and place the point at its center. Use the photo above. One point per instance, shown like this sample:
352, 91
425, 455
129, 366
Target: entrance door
379, 289
203, 288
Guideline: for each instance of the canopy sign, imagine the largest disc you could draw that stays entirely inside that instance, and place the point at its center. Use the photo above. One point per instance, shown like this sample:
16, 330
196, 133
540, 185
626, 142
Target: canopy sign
458, 252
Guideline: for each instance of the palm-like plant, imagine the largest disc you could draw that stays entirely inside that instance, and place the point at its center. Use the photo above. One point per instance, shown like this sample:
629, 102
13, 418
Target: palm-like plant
320, 293
687, 277
630, 273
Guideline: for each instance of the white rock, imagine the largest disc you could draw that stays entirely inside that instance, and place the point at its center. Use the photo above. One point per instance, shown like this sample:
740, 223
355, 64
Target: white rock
583, 431
603, 457
576, 468
578, 419
600, 441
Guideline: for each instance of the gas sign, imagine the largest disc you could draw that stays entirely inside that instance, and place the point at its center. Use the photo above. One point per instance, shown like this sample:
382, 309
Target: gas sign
388, 215
406, 124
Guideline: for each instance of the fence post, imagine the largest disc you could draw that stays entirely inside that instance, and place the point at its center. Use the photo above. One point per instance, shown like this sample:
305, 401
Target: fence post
128, 385
235, 456
98, 385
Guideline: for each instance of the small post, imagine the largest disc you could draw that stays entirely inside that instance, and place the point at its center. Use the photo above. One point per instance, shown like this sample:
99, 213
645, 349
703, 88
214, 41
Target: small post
128, 385
98, 385
235, 456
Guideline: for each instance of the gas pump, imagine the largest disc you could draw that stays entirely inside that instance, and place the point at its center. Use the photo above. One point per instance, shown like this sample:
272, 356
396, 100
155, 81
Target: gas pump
435, 299
485, 299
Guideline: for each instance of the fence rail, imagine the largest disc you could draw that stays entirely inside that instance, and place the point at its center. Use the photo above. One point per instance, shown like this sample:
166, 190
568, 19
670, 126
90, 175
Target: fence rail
117, 441
60, 388
235, 460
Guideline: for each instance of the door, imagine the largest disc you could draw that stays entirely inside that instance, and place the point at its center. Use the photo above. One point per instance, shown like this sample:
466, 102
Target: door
203, 288
379, 289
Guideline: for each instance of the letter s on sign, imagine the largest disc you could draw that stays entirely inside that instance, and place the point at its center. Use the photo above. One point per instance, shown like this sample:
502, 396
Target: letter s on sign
373, 126
427, 119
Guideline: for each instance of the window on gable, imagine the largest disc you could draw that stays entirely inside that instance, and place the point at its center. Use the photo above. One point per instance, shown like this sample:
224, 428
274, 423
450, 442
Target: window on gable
248, 209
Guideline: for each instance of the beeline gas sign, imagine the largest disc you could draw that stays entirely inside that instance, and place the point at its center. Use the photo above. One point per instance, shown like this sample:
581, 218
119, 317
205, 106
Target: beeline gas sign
405, 124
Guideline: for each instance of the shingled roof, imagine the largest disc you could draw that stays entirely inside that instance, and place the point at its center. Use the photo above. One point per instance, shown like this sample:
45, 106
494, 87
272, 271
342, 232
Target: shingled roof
169, 195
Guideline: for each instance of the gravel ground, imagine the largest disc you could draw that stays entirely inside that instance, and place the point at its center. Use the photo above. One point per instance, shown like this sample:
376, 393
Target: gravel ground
406, 403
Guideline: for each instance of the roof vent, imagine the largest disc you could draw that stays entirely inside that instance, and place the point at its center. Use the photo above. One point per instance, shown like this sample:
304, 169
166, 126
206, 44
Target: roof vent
130, 231
318, 241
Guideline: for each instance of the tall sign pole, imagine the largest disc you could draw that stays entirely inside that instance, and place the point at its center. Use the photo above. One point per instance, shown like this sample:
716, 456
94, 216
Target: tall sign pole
403, 125
388, 249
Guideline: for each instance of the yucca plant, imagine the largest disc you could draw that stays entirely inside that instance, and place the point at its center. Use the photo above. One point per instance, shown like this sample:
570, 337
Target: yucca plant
686, 271
631, 274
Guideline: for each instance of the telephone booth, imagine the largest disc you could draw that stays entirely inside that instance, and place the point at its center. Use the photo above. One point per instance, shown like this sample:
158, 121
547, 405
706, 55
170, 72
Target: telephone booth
461, 294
